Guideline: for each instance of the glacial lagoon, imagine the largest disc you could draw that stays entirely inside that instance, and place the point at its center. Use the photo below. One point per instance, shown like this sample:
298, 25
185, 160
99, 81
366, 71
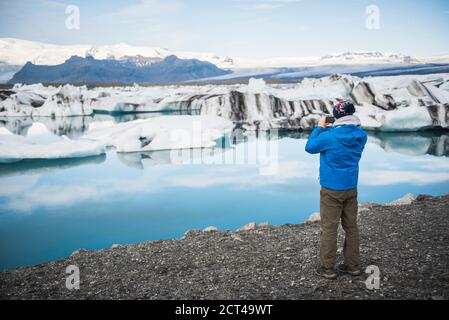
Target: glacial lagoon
50, 208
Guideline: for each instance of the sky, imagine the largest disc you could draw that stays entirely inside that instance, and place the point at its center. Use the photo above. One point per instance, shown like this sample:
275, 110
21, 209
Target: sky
238, 28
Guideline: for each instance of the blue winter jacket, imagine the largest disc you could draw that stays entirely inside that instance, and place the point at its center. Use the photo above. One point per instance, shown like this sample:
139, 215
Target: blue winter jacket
340, 149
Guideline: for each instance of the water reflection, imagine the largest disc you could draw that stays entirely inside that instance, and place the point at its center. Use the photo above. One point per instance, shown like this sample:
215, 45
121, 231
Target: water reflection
42, 166
435, 143
140, 160
72, 127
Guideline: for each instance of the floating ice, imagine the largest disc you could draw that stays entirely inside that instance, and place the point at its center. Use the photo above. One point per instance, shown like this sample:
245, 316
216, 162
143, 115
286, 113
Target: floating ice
36, 100
398, 103
163, 133
256, 85
15, 148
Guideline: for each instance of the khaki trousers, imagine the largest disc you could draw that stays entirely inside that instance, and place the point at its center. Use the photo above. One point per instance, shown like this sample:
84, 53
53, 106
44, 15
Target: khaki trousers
335, 206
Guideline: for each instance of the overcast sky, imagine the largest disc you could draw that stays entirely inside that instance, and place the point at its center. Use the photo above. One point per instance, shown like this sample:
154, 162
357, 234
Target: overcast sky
245, 28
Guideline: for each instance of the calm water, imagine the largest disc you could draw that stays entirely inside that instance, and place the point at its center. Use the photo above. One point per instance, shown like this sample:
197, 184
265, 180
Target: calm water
48, 209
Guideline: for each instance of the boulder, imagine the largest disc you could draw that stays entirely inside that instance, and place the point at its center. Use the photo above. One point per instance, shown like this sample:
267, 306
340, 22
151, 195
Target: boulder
404, 200
314, 217
210, 229
248, 227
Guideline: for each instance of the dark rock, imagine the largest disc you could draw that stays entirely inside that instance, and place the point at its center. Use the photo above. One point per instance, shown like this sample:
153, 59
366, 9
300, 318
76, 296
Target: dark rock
423, 197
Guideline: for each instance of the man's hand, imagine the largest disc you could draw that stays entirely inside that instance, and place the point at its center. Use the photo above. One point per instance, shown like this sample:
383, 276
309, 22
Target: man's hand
322, 123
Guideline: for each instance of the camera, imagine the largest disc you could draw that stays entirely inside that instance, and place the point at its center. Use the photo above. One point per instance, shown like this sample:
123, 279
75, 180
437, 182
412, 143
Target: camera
330, 119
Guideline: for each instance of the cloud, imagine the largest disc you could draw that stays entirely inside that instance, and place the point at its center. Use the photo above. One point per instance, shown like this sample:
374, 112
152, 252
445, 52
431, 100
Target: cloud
388, 177
235, 175
27, 194
147, 22
53, 4
21, 8
254, 5
144, 10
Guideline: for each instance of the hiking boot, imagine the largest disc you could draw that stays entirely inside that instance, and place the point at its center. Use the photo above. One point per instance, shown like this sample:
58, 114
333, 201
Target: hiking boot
345, 269
329, 274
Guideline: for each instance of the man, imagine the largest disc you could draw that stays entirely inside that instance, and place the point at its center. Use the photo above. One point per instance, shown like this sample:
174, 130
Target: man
340, 147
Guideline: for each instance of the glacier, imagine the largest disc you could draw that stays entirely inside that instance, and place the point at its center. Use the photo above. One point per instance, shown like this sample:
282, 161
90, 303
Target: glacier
392, 103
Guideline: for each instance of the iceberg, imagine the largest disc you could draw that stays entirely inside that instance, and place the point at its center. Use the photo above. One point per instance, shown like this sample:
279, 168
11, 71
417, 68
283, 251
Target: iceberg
16, 148
162, 133
398, 103
41, 144
156, 133
36, 100
393, 103
138, 99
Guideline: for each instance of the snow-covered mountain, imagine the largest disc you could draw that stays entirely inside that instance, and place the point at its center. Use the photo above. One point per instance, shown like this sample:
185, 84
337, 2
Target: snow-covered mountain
19, 52
14, 53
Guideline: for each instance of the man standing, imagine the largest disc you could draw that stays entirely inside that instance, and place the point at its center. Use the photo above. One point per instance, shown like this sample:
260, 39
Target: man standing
340, 146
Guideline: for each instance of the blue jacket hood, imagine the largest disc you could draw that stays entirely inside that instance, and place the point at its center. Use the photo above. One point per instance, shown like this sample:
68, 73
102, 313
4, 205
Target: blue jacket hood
349, 135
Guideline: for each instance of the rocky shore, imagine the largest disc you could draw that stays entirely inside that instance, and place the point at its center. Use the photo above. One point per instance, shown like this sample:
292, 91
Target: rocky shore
409, 243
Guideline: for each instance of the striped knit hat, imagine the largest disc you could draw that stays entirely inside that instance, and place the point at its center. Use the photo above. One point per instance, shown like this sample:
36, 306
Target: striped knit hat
343, 108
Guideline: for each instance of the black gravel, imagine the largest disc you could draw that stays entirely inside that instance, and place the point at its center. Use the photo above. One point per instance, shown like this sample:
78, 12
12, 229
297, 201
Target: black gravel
409, 244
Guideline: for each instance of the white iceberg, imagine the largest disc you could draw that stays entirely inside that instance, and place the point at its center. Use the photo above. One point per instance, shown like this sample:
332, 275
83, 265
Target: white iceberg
299, 106
162, 133
139, 99
16, 148
391, 104
126, 100
403, 119
256, 85
37, 100
41, 144
398, 103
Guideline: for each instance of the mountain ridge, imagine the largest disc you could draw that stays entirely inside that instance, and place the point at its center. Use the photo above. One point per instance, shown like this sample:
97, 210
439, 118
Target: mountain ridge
78, 69
15, 53
18, 52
